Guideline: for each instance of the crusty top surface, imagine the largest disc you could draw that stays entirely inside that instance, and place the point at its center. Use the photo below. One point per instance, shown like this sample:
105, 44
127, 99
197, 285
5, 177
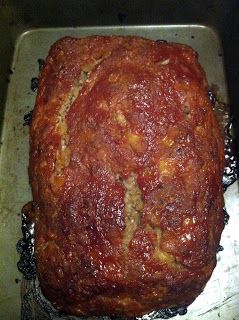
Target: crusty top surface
126, 162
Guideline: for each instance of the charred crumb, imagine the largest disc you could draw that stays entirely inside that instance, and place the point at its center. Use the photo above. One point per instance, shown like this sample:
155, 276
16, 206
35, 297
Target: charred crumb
17, 280
41, 64
34, 84
220, 248
10, 71
192, 37
226, 216
7, 80
212, 97
27, 118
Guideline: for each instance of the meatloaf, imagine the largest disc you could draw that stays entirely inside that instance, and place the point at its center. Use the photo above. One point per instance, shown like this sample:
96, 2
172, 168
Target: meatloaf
126, 164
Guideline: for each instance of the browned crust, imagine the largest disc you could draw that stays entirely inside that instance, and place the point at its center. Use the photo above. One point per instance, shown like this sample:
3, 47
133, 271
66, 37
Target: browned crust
126, 163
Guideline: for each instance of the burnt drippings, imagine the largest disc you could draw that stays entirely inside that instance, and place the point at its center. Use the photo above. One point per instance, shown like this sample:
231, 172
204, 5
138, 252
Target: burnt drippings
34, 303
28, 118
220, 248
226, 216
34, 84
231, 165
25, 246
40, 300
26, 307
41, 64
167, 313
222, 111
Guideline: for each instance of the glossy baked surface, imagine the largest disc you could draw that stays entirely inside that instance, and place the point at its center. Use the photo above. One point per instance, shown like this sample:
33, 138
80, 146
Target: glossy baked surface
126, 163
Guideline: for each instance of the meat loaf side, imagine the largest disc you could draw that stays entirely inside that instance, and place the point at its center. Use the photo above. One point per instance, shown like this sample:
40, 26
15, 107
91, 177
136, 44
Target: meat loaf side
126, 164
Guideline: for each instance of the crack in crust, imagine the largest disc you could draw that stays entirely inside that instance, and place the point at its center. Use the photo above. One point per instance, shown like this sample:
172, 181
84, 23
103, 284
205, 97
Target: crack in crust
63, 153
162, 255
133, 207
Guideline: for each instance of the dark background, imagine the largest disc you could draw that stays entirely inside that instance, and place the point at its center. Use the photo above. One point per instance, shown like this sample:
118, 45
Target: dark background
19, 15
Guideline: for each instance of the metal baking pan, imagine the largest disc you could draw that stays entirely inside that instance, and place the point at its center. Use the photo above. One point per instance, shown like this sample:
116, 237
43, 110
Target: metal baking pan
220, 298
